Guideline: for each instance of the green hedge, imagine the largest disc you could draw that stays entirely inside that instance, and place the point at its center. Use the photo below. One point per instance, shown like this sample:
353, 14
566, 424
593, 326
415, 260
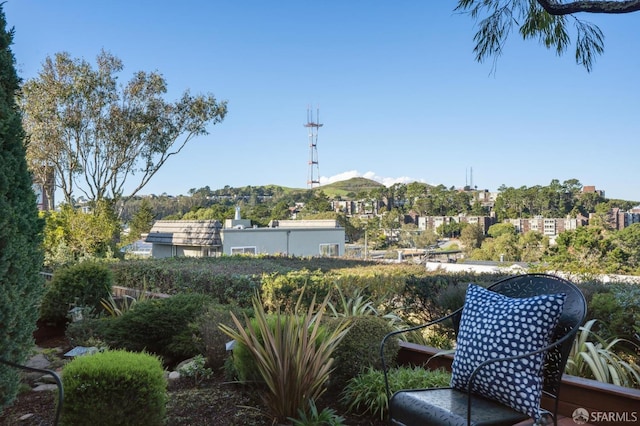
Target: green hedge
282, 291
234, 279
222, 280
114, 388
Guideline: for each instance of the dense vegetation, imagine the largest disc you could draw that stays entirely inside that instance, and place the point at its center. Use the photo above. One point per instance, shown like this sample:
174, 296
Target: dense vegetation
258, 202
410, 291
20, 230
298, 322
402, 294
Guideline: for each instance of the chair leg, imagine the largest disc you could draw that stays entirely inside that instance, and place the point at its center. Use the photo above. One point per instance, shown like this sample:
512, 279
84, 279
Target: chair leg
546, 419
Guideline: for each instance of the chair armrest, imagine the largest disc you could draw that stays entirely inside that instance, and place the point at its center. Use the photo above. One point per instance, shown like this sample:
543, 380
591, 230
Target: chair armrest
407, 330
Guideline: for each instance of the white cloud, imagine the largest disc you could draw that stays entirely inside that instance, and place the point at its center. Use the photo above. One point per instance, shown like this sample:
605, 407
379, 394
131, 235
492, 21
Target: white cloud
386, 181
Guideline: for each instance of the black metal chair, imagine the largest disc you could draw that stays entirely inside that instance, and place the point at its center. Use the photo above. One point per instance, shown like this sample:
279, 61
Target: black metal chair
455, 406
52, 373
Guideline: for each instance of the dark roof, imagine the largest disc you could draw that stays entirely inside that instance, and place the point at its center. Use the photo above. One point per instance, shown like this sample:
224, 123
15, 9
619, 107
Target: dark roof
185, 233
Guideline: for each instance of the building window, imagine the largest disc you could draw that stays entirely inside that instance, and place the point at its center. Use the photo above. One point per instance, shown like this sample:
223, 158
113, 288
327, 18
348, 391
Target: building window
243, 250
329, 250
209, 251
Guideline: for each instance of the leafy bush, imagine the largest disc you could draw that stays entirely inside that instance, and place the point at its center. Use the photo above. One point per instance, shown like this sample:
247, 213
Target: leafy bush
326, 417
84, 284
366, 393
594, 357
360, 348
618, 309
212, 339
82, 333
429, 297
164, 327
114, 388
245, 367
196, 370
294, 360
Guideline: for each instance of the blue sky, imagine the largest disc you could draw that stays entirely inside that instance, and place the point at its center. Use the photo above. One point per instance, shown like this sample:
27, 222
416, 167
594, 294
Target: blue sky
400, 95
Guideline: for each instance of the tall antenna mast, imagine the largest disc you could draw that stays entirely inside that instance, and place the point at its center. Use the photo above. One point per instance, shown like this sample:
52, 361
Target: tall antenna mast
313, 180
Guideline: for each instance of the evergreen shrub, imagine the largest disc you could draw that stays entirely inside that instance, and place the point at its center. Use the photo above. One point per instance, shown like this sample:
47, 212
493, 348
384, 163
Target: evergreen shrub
21, 253
360, 348
421, 296
618, 311
83, 333
282, 291
82, 284
165, 327
114, 388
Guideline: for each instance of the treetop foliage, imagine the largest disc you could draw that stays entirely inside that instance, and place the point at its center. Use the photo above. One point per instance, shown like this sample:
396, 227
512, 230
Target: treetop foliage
548, 21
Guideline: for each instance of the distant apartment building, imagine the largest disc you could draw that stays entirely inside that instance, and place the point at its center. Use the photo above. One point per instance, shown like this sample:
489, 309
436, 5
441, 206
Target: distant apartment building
434, 222
592, 189
347, 207
550, 227
619, 219
485, 198
357, 207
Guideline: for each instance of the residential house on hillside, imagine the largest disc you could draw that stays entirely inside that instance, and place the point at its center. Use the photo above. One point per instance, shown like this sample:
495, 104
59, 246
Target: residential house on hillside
202, 238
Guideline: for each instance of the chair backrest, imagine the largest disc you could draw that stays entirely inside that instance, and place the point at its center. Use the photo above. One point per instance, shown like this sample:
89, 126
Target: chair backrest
572, 317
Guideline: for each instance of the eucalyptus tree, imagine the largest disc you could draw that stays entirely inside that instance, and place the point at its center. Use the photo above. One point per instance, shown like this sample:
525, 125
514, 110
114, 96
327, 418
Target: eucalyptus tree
533, 246
544, 20
94, 135
471, 237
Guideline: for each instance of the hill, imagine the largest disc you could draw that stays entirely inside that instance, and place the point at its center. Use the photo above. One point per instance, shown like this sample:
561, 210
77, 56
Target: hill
351, 187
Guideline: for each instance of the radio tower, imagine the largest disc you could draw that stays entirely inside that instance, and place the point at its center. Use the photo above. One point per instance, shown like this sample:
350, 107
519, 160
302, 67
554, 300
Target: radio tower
313, 179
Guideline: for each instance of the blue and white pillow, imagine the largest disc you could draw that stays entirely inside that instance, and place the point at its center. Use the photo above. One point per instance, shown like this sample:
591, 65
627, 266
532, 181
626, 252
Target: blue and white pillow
496, 326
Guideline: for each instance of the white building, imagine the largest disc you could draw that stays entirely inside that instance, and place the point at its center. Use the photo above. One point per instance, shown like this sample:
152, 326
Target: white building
203, 238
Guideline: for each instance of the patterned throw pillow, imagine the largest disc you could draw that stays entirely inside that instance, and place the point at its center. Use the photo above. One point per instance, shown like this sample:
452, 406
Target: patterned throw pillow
496, 326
